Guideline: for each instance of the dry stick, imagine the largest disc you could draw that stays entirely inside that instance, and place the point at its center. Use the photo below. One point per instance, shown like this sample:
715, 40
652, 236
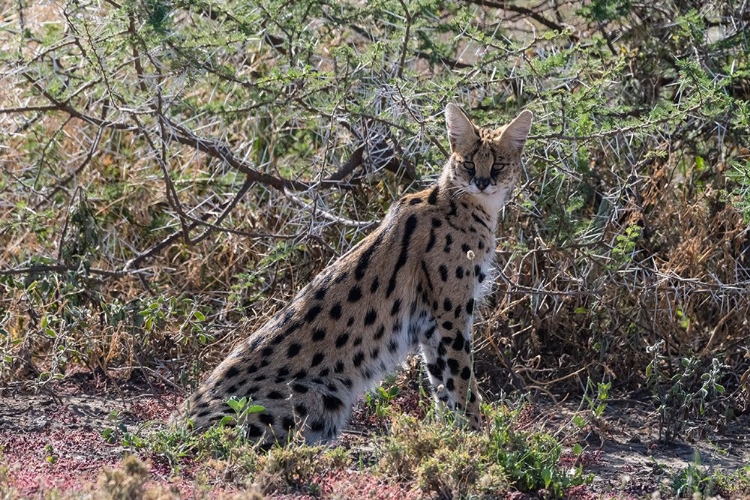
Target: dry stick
66, 107
134, 262
77, 170
62, 269
524, 11
405, 43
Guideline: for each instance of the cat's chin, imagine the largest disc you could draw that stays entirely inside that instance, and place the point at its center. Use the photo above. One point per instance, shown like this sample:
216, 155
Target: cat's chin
493, 201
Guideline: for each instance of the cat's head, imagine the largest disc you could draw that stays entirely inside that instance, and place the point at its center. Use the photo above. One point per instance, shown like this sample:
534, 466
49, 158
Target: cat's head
485, 162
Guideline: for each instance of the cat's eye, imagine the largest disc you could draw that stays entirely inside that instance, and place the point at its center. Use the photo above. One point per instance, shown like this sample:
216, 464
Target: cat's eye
497, 168
469, 166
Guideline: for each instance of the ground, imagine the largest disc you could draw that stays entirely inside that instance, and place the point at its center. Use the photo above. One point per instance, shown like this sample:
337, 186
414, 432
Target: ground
64, 437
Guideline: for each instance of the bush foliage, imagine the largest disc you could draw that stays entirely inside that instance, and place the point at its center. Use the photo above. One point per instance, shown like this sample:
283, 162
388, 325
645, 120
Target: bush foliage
173, 171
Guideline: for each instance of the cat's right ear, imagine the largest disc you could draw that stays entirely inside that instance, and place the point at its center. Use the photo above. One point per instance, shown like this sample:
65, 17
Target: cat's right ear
460, 128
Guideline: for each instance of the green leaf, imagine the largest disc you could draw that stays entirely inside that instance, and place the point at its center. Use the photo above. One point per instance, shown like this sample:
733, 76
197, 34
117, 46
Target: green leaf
579, 421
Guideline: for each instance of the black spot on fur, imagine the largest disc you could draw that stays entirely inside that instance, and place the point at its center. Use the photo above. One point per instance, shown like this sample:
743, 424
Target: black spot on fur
275, 395
466, 373
287, 422
432, 199
302, 389
232, 372
254, 431
332, 403
347, 382
415, 201
443, 272
453, 365
374, 352
313, 313
335, 311
435, 371
341, 277
447, 304
267, 351
300, 410
317, 359
427, 275
409, 227
339, 368
357, 341
318, 335
317, 426
300, 374
396, 307
437, 223
283, 372
324, 372
266, 418
448, 243
448, 325
472, 398
393, 345
379, 334
470, 306
459, 272
293, 350
431, 242
458, 344
465, 248
354, 294
428, 333
251, 369
358, 359
458, 311
450, 385
341, 340
320, 293
454, 208
364, 260
474, 216
370, 317
375, 284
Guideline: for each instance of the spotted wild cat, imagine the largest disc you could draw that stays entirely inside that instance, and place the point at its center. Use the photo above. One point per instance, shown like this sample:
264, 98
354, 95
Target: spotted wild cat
411, 284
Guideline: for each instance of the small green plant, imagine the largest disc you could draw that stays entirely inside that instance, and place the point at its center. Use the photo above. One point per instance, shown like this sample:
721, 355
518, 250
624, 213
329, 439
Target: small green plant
51, 455
453, 463
687, 395
242, 408
379, 400
694, 481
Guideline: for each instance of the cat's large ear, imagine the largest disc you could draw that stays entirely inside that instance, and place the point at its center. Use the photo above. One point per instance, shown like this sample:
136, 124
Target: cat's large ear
460, 128
516, 132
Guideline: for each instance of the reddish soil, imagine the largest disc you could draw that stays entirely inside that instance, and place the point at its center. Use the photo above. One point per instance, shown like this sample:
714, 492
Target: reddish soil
55, 439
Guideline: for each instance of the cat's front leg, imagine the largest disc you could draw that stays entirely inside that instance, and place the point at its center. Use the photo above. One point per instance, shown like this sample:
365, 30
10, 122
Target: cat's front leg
448, 357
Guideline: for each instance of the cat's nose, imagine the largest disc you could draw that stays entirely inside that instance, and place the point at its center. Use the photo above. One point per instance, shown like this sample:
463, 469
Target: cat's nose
481, 182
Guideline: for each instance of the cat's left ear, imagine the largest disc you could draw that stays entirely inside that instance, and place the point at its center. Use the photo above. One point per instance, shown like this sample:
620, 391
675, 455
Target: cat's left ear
516, 132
